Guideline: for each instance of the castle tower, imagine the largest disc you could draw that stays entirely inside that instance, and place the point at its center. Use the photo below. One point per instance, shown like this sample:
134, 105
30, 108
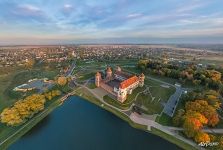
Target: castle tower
108, 73
119, 69
141, 80
97, 79
122, 95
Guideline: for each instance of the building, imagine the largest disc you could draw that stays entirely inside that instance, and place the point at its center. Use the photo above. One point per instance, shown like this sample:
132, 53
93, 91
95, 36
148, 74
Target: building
119, 84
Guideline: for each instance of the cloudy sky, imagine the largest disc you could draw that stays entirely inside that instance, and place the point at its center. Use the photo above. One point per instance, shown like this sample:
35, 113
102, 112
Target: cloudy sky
110, 21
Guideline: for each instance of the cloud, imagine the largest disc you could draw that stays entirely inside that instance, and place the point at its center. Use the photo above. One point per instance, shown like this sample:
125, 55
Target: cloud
135, 15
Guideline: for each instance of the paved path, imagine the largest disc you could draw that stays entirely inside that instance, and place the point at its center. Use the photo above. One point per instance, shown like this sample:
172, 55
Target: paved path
140, 119
208, 130
172, 103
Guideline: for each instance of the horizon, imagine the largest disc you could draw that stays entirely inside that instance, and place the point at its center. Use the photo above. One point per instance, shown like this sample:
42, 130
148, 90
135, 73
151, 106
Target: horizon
57, 22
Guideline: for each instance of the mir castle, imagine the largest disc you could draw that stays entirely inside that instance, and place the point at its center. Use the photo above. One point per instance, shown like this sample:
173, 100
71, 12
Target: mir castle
119, 84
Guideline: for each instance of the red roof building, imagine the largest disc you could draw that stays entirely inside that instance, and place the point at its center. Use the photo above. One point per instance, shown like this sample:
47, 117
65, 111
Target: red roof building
126, 83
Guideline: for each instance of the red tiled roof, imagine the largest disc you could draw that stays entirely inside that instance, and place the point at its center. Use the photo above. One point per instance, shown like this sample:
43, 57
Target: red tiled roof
126, 83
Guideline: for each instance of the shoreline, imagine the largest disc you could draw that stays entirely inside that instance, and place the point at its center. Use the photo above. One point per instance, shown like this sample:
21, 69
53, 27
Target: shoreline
34, 121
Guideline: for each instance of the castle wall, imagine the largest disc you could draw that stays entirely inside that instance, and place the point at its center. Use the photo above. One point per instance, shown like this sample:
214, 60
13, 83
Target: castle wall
107, 88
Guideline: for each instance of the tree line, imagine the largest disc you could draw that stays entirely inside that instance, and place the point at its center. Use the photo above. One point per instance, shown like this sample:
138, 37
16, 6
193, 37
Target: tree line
26, 108
199, 110
210, 77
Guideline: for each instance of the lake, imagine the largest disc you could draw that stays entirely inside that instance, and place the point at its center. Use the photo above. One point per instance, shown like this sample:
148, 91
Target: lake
80, 125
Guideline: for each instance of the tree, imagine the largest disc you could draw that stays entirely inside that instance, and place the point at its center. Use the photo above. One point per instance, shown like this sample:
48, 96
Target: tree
202, 137
29, 63
178, 118
23, 110
198, 116
191, 126
62, 81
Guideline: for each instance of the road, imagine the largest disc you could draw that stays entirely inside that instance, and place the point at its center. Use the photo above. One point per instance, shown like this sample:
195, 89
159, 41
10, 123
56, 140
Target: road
72, 67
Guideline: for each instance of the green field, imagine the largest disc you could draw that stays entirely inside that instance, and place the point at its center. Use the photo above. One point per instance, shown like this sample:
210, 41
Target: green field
164, 120
152, 101
91, 85
13, 79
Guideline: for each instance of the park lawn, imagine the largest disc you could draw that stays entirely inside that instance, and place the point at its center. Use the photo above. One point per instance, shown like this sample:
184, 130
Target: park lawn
5, 82
86, 76
127, 103
165, 120
162, 93
91, 85
152, 103
18, 76
149, 105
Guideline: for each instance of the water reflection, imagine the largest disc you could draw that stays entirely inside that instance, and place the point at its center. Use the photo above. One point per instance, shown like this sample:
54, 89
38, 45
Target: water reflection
80, 125
43, 123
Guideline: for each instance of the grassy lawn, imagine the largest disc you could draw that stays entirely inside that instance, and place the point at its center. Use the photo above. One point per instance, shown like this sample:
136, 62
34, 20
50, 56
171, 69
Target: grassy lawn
91, 85
164, 120
127, 103
10, 81
86, 76
151, 102
172, 139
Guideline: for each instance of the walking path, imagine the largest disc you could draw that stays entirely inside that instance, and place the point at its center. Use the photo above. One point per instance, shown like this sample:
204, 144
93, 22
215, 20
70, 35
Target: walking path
208, 130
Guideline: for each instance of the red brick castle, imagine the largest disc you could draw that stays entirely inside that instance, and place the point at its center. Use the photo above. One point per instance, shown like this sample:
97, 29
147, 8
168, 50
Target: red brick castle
119, 84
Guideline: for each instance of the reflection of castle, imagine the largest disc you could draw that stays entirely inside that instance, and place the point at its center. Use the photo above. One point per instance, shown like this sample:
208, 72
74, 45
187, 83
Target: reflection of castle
120, 83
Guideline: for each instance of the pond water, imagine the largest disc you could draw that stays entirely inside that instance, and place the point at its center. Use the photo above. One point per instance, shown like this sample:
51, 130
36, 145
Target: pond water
80, 125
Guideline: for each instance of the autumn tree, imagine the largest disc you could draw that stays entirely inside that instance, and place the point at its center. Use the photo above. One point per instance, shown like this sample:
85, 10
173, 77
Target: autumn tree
202, 137
62, 81
191, 126
22, 110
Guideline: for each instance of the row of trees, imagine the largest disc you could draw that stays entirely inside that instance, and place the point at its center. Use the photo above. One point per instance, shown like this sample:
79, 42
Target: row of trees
199, 76
198, 113
26, 108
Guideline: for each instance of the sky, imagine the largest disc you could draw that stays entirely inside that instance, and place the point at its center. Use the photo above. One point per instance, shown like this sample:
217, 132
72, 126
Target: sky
110, 21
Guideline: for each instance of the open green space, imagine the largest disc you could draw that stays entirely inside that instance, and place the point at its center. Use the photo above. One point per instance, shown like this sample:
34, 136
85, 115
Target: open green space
152, 101
164, 120
91, 85
84, 76
7, 95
